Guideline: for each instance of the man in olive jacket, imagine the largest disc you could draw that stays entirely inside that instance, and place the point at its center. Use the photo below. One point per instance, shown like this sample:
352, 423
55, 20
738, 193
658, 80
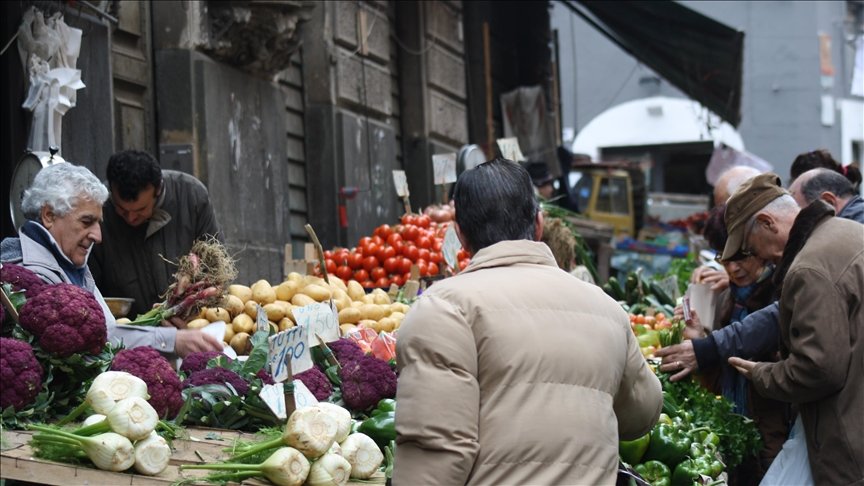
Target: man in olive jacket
820, 262
514, 371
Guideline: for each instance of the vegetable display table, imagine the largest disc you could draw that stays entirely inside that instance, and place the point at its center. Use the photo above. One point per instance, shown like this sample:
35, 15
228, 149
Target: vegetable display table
202, 445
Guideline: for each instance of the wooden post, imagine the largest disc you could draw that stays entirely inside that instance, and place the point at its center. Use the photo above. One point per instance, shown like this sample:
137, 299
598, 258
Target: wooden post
487, 74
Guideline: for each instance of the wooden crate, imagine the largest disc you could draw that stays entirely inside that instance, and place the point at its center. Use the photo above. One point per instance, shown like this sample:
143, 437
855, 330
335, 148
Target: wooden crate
202, 445
304, 266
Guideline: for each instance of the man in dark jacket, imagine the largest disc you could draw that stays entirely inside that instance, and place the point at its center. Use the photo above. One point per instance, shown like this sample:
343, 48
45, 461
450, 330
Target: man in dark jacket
831, 187
820, 261
151, 219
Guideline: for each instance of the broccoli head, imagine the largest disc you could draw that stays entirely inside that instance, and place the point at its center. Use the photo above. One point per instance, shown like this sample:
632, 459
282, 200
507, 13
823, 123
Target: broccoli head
317, 383
198, 361
163, 384
217, 376
345, 350
66, 319
21, 278
366, 381
20, 374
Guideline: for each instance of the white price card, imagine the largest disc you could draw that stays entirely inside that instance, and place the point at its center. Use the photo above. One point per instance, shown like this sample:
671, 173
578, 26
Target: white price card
302, 396
261, 322
510, 150
451, 247
321, 321
401, 183
290, 345
274, 397
444, 167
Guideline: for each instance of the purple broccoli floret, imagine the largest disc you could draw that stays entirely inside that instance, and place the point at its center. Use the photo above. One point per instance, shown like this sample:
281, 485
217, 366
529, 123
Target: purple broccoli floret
21, 279
20, 374
163, 384
345, 350
366, 381
66, 319
265, 377
198, 361
217, 376
317, 383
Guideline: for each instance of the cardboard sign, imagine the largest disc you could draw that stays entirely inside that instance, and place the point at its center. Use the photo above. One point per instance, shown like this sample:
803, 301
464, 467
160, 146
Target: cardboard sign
302, 396
261, 321
274, 397
451, 247
401, 183
510, 150
320, 320
289, 345
444, 167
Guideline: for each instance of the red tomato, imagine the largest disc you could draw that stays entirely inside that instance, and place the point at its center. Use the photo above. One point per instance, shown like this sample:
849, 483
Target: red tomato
330, 265
385, 252
437, 244
369, 263
368, 284
435, 257
399, 280
328, 254
409, 219
398, 247
364, 241
382, 283
391, 265
344, 272
411, 233
424, 242
405, 266
424, 269
361, 275
423, 221
433, 269
424, 254
413, 253
355, 260
378, 240
463, 264
394, 238
383, 231
462, 255
377, 273
370, 249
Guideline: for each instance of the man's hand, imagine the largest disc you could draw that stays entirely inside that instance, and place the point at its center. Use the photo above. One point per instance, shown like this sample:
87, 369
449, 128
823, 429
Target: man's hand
718, 279
194, 341
680, 358
743, 366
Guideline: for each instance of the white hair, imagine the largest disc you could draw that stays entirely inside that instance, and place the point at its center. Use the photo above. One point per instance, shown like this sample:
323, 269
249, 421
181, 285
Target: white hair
739, 175
61, 186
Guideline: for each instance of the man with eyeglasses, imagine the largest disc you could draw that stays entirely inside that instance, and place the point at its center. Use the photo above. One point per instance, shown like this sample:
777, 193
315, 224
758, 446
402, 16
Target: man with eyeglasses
820, 262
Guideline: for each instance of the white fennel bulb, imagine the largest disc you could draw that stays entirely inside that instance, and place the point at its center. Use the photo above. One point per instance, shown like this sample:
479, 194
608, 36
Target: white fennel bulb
93, 419
286, 467
363, 454
329, 470
133, 417
152, 455
110, 387
109, 451
311, 431
341, 416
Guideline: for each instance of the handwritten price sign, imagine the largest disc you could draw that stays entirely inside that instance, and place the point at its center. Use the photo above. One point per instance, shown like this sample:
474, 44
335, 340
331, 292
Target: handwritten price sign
451, 247
291, 346
320, 320
400, 181
444, 167
510, 150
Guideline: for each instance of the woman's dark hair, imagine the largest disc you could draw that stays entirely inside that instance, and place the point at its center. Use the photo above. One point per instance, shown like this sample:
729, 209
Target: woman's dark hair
822, 159
495, 202
131, 171
715, 228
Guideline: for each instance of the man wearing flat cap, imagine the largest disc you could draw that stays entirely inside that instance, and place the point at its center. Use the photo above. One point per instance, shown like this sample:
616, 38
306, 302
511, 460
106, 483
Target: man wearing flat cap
820, 270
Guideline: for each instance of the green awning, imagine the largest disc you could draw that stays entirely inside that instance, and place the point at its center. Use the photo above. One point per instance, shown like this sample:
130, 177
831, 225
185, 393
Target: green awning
700, 56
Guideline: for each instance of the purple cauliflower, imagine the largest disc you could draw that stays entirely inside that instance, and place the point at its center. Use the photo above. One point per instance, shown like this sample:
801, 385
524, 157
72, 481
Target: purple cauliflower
163, 384
366, 381
66, 319
20, 374
317, 383
198, 361
265, 377
345, 350
21, 279
217, 376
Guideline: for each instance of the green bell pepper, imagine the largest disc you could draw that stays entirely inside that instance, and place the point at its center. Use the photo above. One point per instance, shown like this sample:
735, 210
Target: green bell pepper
655, 472
385, 405
670, 444
381, 427
631, 451
689, 471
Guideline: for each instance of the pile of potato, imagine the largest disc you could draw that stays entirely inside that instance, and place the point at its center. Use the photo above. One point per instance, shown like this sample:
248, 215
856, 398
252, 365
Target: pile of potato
356, 308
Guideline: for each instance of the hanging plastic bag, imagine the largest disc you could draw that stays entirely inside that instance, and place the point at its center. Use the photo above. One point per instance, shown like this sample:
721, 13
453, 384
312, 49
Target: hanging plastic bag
791, 466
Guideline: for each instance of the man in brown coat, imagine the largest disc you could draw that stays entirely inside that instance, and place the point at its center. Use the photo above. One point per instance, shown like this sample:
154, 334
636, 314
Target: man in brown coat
514, 371
820, 265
